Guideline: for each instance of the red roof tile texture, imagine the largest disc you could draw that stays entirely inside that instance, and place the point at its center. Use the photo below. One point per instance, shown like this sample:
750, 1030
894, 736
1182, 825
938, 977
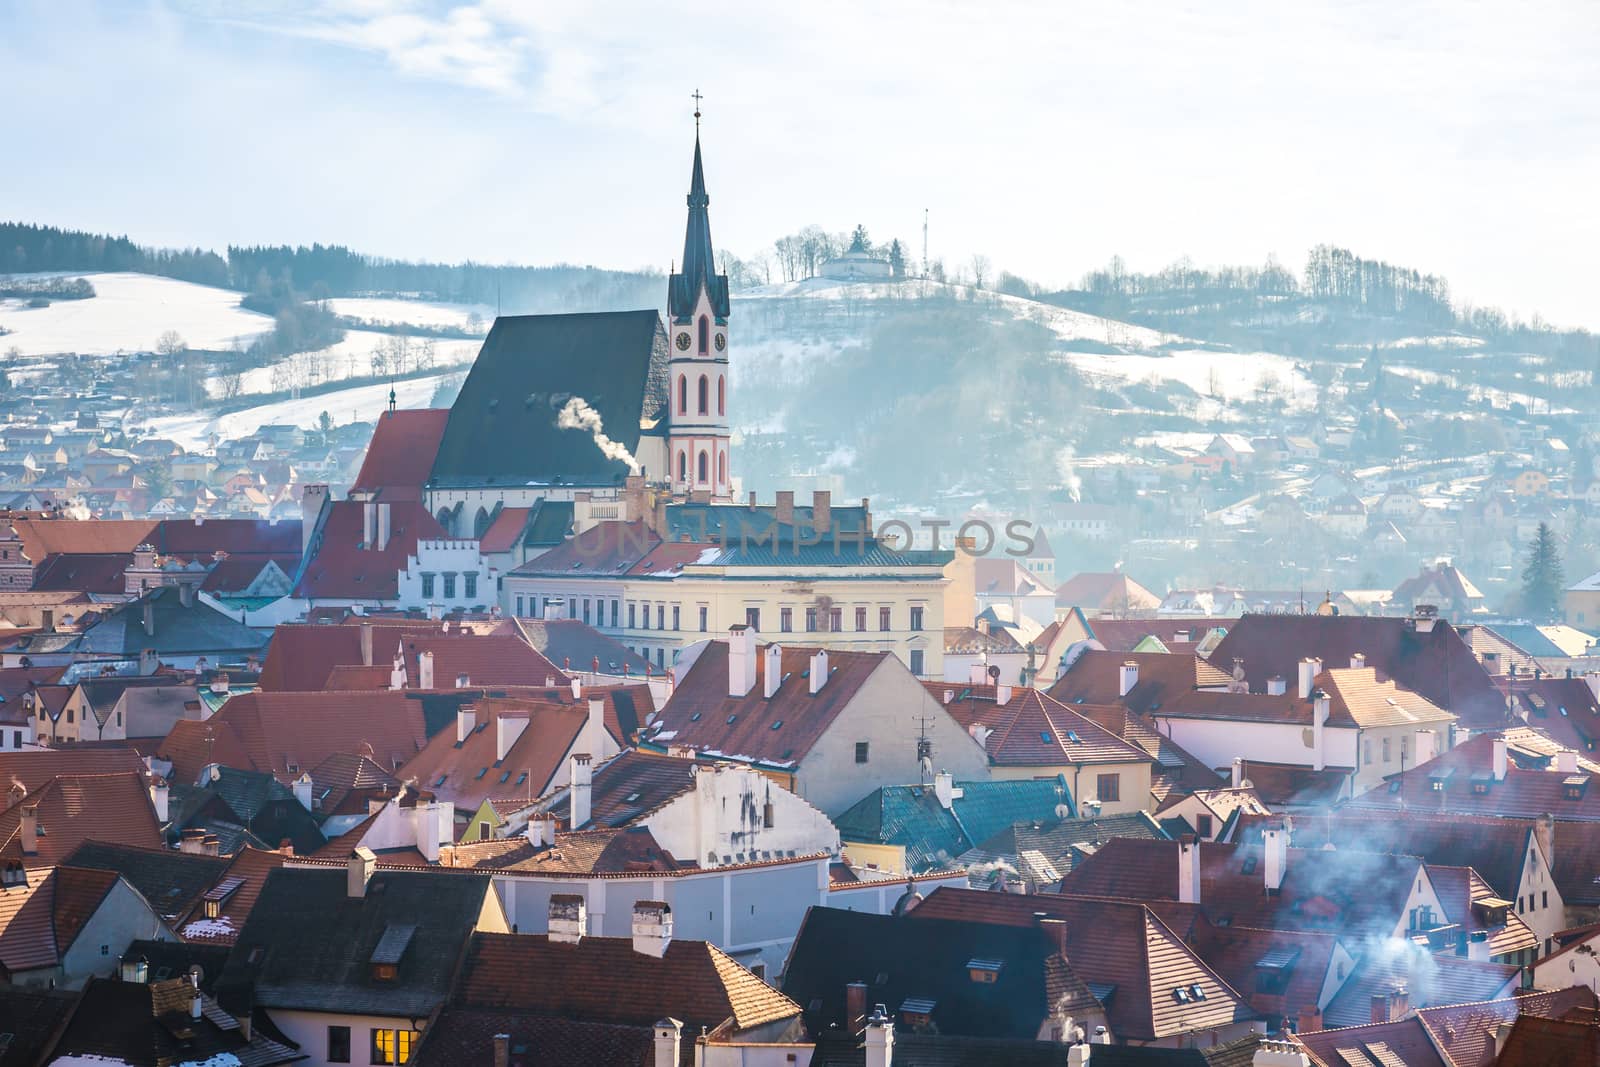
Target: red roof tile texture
71, 809
401, 453
1033, 729
342, 568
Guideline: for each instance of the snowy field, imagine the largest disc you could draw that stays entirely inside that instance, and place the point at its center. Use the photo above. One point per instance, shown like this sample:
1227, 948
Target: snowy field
362, 403
1227, 377
127, 313
1067, 324
350, 358
411, 312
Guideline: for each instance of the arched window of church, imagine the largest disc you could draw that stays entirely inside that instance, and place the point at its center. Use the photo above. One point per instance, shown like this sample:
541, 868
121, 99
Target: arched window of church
480, 525
444, 519
683, 466
705, 395
705, 335
683, 395
705, 468
722, 395
722, 468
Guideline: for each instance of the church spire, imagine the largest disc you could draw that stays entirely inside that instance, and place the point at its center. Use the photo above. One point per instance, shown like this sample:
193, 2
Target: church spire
699, 258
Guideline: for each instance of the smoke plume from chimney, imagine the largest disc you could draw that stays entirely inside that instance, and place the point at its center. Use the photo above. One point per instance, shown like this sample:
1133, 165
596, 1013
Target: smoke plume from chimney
578, 415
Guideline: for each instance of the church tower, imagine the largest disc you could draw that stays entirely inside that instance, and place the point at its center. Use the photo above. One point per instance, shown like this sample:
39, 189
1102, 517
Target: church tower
697, 327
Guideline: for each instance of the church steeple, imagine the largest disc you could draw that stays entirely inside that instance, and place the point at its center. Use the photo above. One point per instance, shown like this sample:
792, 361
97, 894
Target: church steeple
699, 259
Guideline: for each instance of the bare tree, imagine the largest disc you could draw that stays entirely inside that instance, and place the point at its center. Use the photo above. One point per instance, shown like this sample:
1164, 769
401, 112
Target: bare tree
980, 270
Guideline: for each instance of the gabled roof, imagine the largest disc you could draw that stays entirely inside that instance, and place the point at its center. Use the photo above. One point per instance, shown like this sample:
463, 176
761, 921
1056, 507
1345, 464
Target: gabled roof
1040, 847
401, 454
912, 817
34, 768
573, 642
1105, 591
1033, 729
1124, 635
467, 1035
1358, 697
1436, 664
700, 713
466, 773
302, 655
179, 629
1004, 576
339, 567
488, 659
148, 1024
1095, 678
529, 367
627, 852
631, 784
505, 531
316, 942
1451, 980
604, 979
42, 917
34, 1018
1461, 781
71, 809
284, 734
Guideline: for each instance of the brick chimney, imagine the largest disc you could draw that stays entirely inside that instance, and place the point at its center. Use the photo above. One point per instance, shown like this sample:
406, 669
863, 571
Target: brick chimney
821, 511
192, 842
652, 927
366, 644
569, 919
784, 512
30, 829
1310, 1019
362, 864
1544, 831
502, 1050
855, 1007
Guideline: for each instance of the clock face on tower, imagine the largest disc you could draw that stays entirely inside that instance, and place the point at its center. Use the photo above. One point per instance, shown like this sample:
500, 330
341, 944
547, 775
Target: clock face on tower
683, 342
721, 342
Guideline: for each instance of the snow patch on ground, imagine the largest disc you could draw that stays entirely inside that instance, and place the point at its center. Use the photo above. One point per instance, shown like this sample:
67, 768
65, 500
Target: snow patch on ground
362, 403
127, 314
350, 358
410, 312
1222, 377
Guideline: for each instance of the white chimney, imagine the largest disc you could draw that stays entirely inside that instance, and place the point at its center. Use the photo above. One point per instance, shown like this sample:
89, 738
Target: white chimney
944, 787
369, 523
595, 729
1127, 678
1277, 685
30, 830
880, 1039
383, 527
577, 688
541, 830
1078, 1055
466, 722
569, 919
424, 670
158, 799
362, 863
555, 609
1002, 695
581, 790
669, 1033
1309, 669
463, 681
819, 671
1320, 706
1279, 1054
435, 824
1238, 772
1188, 870
302, 790
1427, 746
507, 730
741, 661
1567, 761
771, 670
1358, 661
1498, 746
652, 927
1275, 846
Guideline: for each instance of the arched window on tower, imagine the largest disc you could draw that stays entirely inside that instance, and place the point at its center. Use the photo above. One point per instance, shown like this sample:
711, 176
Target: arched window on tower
683, 395
683, 466
722, 468
480, 525
705, 468
444, 520
705, 395
722, 395
705, 335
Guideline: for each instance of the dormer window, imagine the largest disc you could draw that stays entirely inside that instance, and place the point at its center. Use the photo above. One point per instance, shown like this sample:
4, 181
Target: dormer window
391, 948
984, 971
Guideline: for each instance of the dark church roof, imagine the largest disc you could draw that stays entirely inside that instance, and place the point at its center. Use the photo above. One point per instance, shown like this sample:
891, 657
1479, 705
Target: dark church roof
502, 429
699, 261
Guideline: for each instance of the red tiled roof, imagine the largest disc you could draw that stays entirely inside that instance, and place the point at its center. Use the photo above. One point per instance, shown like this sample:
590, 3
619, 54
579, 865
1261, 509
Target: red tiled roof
270, 732
1033, 729
341, 568
1105, 591
603, 979
467, 773
504, 531
1437, 664
302, 655
1095, 677
401, 453
607, 548
1564, 709
71, 809
84, 573
1004, 576
631, 784
485, 660
238, 888
1466, 1031
347, 677
1123, 635
78, 895
782, 730
34, 768
1356, 697
1524, 794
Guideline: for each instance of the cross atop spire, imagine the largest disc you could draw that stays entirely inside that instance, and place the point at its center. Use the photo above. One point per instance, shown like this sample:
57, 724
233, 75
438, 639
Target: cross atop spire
697, 99
698, 268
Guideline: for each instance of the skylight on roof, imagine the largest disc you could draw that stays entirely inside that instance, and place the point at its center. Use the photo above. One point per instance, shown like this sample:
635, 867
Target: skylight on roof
778, 725
1072, 736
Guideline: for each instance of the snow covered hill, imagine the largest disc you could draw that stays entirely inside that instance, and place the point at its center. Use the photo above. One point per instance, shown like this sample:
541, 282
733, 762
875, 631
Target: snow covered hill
127, 314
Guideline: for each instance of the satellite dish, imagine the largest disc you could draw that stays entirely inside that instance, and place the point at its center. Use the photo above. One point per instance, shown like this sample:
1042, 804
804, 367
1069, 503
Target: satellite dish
927, 765
1062, 811
1246, 784
994, 672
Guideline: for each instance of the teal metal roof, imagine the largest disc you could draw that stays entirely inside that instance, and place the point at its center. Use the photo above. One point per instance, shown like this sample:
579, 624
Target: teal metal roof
911, 817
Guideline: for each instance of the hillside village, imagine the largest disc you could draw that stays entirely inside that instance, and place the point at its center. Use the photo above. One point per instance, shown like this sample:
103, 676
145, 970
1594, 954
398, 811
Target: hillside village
522, 723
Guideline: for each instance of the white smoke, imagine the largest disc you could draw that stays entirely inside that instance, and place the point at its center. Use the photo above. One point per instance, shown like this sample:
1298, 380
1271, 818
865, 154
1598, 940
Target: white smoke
578, 415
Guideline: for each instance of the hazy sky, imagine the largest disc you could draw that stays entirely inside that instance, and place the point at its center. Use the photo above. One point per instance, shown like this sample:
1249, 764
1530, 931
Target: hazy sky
1457, 137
